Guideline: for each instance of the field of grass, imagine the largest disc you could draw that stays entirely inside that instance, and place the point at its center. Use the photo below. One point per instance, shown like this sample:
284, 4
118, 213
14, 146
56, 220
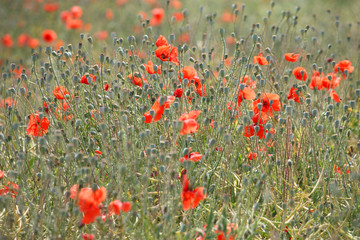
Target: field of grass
179, 119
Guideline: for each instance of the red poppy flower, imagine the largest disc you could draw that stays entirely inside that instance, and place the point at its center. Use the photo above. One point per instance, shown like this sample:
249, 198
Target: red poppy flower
7, 102
191, 198
178, 92
334, 95
74, 23
51, 7
161, 41
178, 16
249, 131
74, 191
1, 174
338, 169
190, 124
84, 79
102, 35
294, 94
248, 81
227, 17
61, 109
11, 188
193, 157
33, 43
317, 80
150, 68
297, 73
89, 203
333, 82
49, 35
106, 87
60, 92
167, 53
76, 11
344, 65
109, 14
221, 235
136, 80
65, 16
22, 39
292, 57
184, 38
252, 156
159, 109
175, 4
36, 126
87, 236
116, 206
190, 73
265, 99
261, 60
7, 40
247, 94
157, 16
260, 118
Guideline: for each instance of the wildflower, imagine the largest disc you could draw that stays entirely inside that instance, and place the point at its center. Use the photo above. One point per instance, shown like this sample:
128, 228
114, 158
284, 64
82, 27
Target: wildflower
106, 87
190, 73
334, 95
193, 157
229, 229
342, 66
60, 92
184, 38
167, 53
300, 73
51, 7
159, 109
22, 39
61, 109
249, 131
338, 170
331, 81
33, 43
109, 14
36, 126
261, 60
248, 81
11, 188
136, 80
116, 206
7, 40
98, 152
178, 16
74, 23
191, 198
85, 80
316, 80
157, 16
270, 102
74, 191
252, 156
87, 236
76, 11
175, 4
89, 203
49, 35
102, 35
291, 57
150, 68
227, 17
190, 124
1, 174
7, 102
65, 16
178, 92
247, 93
294, 94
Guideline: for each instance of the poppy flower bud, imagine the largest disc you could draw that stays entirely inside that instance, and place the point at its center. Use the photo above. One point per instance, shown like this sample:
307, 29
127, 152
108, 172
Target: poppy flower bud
314, 112
289, 110
240, 129
282, 120
222, 32
48, 50
90, 39
256, 128
351, 102
308, 101
262, 83
22, 91
303, 122
212, 143
268, 58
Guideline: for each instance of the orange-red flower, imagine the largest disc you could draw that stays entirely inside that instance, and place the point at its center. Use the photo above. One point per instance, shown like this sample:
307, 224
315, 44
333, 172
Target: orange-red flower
87, 236
334, 95
247, 93
248, 81
89, 203
1, 174
270, 102
294, 94
159, 109
230, 228
178, 16
342, 66
261, 60
7, 40
49, 35
190, 73
7, 102
22, 39
252, 156
11, 188
191, 198
84, 79
161, 41
76, 11
36, 126
65, 16
101, 35
193, 157
60, 92
116, 206
157, 16
74, 23
227, 17
338, 169
51, 7
109, 14
33, 43
292, 57
150, 68
167, 53
190, 124
178, 92
249, 131
297, 73
136, 80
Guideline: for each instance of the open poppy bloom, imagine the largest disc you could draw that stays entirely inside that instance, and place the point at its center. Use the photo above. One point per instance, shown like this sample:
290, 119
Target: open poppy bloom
190, 73
190, 125
36, 126
51, 7
74, 23
334, 95
150, 68
294, 94
331, 81
60, 111
338, 169
89, 202
248, 81
167, 53
178, 92
76, 11
7, 41
157, 16
193, 157
7, 102
342, 66
161, 41
159, 109
249, 131
261, 60
1, 174
136, 80
84, 79
22, 39
247, 93
87, 236
221, 235
60, 92
291, 57
300, 73
252, 156
116, 206
10, 188
49, 35
191, 198
270, 102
